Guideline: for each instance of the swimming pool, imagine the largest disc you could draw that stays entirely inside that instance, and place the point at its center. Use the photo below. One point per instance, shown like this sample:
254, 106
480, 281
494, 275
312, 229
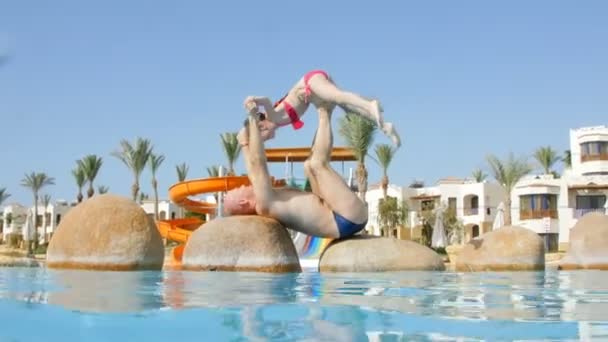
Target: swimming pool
51, 305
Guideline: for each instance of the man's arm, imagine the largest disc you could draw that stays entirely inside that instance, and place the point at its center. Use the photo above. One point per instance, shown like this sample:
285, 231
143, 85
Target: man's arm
255, 162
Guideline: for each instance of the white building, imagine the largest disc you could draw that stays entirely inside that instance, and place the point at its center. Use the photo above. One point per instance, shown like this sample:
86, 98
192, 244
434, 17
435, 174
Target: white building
167, 210
15, 218
552, 206
544, 204
473, 202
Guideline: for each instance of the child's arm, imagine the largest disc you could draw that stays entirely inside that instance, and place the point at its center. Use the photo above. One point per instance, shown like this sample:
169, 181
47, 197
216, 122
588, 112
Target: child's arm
280, 118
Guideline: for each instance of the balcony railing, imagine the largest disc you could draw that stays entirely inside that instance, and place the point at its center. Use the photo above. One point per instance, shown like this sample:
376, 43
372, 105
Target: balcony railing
537, 214
578, 213
471, 211
592, 157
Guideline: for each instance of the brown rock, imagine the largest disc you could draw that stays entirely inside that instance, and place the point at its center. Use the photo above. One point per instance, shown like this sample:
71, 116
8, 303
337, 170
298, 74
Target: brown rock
365, 253
510, 248
241, 243
106, 232
588, 246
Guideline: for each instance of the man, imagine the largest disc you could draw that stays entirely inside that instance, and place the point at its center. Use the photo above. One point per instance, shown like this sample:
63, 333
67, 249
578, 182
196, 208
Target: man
331, 210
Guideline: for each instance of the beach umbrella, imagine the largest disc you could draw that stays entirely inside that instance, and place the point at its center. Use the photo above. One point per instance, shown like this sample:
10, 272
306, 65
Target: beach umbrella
438, 239
499, 220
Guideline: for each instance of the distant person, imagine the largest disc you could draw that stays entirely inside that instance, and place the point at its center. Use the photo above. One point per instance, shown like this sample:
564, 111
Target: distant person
318, 88
331, 210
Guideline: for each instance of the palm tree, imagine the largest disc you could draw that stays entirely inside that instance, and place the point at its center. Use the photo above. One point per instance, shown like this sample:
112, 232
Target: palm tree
90, 165
3, 195
102, 189
359, 134
80, 178
182, 171
478, 175
567, 159
36, 181
46, 200
232, 149
546, 158
155, 162
384, 155
135, 157
213, 171
508, 173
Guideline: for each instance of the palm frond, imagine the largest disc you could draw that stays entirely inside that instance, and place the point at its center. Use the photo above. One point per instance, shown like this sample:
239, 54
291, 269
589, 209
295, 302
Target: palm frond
546, 157
4, 195
358, 133
90, 165
182, 171
155, 162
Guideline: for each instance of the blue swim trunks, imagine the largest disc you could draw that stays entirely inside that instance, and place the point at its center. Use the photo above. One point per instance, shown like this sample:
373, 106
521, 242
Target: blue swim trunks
346, 227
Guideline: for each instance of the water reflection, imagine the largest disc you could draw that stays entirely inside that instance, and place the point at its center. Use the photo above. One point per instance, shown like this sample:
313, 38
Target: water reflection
106, 292
337, 307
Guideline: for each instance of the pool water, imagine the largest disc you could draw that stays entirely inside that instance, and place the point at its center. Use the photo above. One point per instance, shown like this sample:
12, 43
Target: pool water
51, 305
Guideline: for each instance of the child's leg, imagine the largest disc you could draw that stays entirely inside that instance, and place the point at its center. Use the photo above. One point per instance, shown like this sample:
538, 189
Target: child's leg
327, 91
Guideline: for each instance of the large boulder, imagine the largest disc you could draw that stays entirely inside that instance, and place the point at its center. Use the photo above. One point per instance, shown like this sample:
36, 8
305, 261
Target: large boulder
364, 253
106, 232
241, 243
588, 246
510, 248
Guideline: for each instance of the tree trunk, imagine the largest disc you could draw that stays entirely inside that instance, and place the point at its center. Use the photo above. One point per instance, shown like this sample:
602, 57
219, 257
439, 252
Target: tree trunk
79, 196
44, 223
508, 210
35, 244
362, 180
135, 190
385, 186
91, 190
155, 187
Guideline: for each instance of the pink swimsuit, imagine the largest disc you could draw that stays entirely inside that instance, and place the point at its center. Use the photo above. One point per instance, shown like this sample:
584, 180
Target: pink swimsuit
293, 114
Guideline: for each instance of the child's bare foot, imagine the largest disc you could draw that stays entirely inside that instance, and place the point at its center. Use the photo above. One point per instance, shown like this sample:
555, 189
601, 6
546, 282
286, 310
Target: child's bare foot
389, 129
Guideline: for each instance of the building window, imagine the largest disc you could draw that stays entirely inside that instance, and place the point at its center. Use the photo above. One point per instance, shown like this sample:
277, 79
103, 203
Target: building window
427, 205
58, 219
537, 206
589, 203
474, 231
162, 214
471, 205
173, 215
38, 221
595, 150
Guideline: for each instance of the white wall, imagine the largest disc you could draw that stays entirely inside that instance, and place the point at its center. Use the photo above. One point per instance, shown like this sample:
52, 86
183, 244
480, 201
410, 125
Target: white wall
170, 209
372, 197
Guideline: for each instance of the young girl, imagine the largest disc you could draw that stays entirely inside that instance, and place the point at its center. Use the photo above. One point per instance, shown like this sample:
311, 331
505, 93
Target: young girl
318, 88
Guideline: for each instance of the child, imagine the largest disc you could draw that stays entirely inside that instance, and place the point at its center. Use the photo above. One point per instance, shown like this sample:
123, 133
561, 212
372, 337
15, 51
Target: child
318, 88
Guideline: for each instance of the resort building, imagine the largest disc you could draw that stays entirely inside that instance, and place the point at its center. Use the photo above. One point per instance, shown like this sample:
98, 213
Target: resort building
474, 204
545, 204
18, 219
167, 210
551, 206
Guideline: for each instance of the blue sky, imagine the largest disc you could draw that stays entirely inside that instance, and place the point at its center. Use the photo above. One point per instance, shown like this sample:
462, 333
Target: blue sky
460, 79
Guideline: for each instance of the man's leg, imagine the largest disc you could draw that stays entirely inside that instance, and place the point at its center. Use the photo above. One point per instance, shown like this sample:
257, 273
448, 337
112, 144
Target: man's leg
331, 187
